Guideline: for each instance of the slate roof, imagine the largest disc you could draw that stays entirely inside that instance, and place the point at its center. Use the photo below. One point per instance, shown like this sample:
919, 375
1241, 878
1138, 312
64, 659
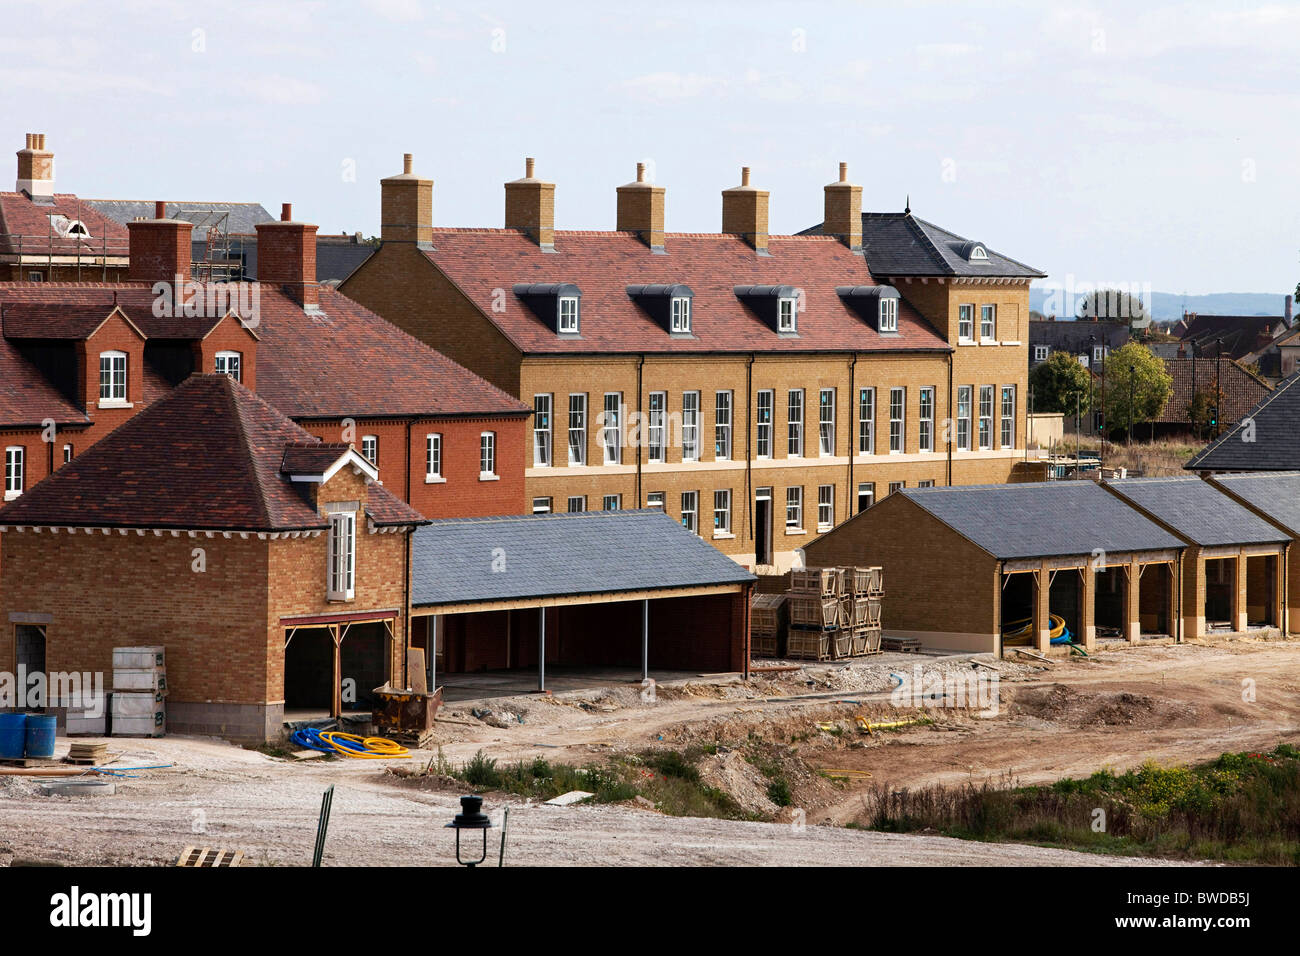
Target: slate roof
1196, 511
1273, 430
1072, 336
1042, 519
604, 264
902, 244
1241, 391
1242, 334
22, 216
337, 257
592, 552
241, 217
206, 457
1274, 493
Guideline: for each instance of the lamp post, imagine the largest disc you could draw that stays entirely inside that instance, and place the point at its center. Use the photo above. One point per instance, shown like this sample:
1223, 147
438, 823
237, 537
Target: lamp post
1191, 406
471, 817
1092, 350
1218, 382
1132, 369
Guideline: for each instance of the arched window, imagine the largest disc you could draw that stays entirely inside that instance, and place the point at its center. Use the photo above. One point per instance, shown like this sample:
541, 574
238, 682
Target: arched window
230, 363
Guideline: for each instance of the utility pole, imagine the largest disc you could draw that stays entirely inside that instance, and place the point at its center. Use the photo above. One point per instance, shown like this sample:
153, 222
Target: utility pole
1132, 370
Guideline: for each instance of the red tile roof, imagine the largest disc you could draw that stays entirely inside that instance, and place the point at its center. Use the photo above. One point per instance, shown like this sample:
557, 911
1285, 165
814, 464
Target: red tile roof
604, 264
27, 397
311, 458
21, 217
1242, 390
206, 457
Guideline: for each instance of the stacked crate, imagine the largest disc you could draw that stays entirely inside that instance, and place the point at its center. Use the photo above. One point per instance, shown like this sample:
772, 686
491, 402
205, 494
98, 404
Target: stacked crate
814, 607
766, 624
862, 608
139, 692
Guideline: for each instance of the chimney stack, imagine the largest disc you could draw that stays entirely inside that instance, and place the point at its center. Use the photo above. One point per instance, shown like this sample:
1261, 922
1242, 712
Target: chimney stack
641, 210
406, 206
744, 213
1286, 309
843, 213
160, 248
35, 168
286, 257
530, 207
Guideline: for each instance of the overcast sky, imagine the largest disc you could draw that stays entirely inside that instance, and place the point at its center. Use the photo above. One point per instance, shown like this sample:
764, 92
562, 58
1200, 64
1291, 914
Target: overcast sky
1151, 143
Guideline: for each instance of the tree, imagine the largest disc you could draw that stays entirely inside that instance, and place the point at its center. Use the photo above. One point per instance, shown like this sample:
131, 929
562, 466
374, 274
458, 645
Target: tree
1150, 381
1060, 384
1112, 305
1204, 408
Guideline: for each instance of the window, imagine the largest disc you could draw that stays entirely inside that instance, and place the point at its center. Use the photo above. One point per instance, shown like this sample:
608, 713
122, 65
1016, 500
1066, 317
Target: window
926, 483
690, 511
896, 486
986, 417
433, 457
825, 507
658, 404
722, 426
826, 422
542, 431
1040, 353
577, 503
794, 509
228, 364
722, 511
763, 419
370, 449
655, 499
487, 455
925, 428
36, 277
541, 506
965, 323
1096, 353
342, 556
568, 314
1008, 436
67, 454
690, 426
578, 428
794, 429
866, 495
13, 472
888, 315
787, 315
866, 421
612, 502
963, 417
988, 322
611, 435
896, 437
681, 314
112, 377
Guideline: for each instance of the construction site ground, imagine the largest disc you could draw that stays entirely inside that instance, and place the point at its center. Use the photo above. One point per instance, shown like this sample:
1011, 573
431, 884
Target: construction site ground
1067, 717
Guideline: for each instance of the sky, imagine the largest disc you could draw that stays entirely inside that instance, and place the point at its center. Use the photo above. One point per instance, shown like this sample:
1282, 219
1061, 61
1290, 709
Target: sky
1150, 144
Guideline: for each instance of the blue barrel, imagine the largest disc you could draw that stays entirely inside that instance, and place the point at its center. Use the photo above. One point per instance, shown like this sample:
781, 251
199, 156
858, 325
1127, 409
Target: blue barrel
13, 736
40, 735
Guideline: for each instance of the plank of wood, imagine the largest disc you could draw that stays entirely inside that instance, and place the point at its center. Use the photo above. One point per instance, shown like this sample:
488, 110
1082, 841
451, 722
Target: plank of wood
415, 670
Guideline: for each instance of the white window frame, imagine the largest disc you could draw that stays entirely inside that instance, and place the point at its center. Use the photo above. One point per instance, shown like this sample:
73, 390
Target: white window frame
825, 507
867, 421
763, 429
794, 509
229, 363
341, 582
966, 322
925, 420
67, 453
989, 322
433, 457
1097, 352
15, 471
690, 426
111, 390
794, 410
691, 511
722, 512
541, 506
869, 487
787, 314
656, 417
722, 405
487, 456
888, 314
654, 499
1040, 353
897, 420
1007, 425
577, 432
964, 416
986, 418
580, 501
611, 503
896, 486
680, 314
567, 314
543, 430
611, 432
826, 423
370, 449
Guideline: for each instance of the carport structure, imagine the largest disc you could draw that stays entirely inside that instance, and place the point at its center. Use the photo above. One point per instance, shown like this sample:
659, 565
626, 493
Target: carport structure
600, 596
965, 564
1234, 569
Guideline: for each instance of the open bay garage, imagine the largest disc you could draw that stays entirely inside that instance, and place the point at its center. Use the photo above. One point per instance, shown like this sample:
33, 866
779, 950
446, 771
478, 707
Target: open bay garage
986, 567
561, 601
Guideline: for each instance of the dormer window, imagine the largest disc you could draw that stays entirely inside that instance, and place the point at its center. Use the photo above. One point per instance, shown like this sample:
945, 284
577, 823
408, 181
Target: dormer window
556, 303
878, 304
776, 305
972, 251
888, 315
787, 315
681, 314
568, 314
979, 252
112, 378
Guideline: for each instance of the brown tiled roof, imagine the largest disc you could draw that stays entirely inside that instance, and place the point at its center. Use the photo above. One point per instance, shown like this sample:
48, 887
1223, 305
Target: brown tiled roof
1242, 390
21, 217
604, 264
311, 458
53, 320
206, 457
1241, 334
27, 397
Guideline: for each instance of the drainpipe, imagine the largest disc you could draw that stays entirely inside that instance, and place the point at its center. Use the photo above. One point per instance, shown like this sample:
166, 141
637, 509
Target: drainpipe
850, 417
640, 409
406, 604
949, 431
409, 422
1178, 632
749, 455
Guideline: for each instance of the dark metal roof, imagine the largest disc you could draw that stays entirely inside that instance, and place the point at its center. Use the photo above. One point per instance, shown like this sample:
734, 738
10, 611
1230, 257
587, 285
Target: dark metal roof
237, 216
1273, 493
1042, 519
1266, 439
459, 560
1197, 511
1065, 335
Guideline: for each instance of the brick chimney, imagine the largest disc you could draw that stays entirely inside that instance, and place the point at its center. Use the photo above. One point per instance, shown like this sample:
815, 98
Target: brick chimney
406, 206
641, 210
843, 214
160, 248
744, 213
35, 168
286, 258
1286, 309
530, 207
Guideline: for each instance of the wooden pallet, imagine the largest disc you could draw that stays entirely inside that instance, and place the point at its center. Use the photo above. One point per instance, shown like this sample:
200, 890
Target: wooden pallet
28, 762
763, 645
196, 856
807, 645
87, 754
904, 645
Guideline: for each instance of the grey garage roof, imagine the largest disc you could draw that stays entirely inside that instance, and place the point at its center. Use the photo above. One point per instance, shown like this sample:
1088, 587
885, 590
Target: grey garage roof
1267, 439
461, 560
1274, 493
1197, 511
1042, 519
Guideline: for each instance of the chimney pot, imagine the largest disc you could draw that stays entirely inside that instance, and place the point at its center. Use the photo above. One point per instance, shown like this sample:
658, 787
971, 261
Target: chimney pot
160, 209
406, 207
641, 210
744, 213
843, 211
35, 167
530, 207
160, 248
640, 172
530, 165
744, 175
407, 160
286, 212
286, 257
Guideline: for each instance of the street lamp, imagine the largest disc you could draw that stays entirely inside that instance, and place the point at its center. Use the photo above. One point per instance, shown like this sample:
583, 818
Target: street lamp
471, 817
1092, 350
1132, 369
